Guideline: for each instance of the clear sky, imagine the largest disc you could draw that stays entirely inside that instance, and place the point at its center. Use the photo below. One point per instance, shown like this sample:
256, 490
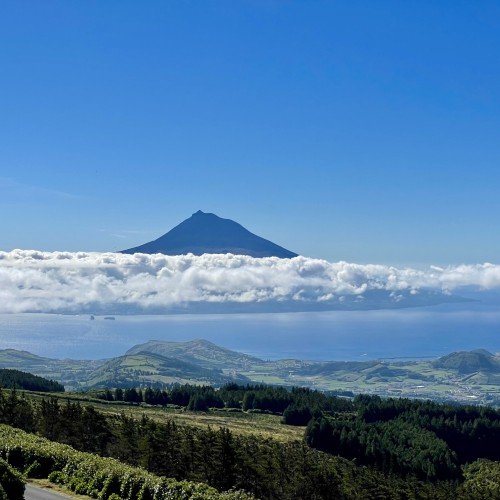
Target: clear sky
358, 130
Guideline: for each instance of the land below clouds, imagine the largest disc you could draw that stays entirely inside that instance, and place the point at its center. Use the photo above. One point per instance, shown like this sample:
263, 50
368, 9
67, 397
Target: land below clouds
471, 377
322, 336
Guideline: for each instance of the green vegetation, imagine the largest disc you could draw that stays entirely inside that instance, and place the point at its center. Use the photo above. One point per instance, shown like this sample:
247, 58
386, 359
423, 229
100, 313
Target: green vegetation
154, 370
264, 467
199, 352
256, 423
482, 480
389, 449
11, 379
425, 439
11, 482
469, 362
274, 442
233, 396
461, 377
71, 373
88, 474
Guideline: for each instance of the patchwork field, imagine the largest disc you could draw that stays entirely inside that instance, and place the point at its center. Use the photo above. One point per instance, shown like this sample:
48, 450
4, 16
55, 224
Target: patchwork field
472, 377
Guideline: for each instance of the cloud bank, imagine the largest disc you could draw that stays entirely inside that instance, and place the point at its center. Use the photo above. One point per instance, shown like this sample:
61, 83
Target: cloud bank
83, 282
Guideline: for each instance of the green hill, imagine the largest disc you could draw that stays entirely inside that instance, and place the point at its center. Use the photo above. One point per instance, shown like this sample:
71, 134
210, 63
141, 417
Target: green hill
147, 368
461, 376
12, 357
17, 379
69, 372
200, 352
469, 362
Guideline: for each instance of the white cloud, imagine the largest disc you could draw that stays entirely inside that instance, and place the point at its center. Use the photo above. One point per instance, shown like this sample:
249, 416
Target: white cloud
64, 282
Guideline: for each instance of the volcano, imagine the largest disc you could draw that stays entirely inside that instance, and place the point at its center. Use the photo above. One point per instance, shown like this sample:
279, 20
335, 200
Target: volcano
208, 233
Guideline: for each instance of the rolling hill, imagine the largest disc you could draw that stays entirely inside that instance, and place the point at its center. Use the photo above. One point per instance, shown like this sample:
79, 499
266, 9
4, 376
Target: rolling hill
200, 352
464, 376
469, 362
150, 369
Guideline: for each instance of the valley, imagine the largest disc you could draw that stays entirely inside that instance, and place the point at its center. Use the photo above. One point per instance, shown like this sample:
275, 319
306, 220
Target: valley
465, 377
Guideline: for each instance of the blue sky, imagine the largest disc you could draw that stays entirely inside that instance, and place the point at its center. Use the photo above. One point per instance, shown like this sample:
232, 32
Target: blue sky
346, 130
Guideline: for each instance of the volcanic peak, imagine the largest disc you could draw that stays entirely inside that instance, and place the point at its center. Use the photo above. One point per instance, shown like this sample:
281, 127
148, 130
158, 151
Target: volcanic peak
208, 233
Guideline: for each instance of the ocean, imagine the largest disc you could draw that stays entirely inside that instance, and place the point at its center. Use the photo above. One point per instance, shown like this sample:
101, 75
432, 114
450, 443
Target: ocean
337, 335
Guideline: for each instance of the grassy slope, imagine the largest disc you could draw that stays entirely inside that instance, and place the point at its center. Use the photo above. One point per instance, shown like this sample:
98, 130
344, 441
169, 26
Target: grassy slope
200, 352
265, 425
69, 372
202, 362
149, 368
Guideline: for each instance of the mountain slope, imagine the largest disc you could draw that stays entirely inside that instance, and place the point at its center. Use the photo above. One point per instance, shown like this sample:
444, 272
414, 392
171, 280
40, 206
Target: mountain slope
200, 352
469, 362
17, 379
150, 369
71, 373
461, 376
208, 233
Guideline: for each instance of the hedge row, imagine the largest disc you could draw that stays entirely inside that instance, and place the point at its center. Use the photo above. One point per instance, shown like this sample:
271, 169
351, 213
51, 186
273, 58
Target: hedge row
98, 477
11, 482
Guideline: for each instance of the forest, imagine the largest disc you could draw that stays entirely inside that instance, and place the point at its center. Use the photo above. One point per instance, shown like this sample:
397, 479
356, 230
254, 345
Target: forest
11, 379
366, 447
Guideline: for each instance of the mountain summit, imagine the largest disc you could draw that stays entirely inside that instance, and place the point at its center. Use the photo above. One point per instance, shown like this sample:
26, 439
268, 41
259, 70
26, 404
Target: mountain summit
208, 233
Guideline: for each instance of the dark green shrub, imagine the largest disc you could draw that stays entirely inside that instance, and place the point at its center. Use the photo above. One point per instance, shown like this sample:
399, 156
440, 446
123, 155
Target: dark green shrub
34, 470
11, 482
56, 477
111, 487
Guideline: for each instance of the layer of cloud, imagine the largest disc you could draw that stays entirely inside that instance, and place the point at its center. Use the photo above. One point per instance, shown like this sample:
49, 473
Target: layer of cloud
64, 282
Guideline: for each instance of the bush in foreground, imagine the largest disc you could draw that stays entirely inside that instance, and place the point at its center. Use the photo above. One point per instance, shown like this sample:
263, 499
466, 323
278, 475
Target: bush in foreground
11, 482
89, 474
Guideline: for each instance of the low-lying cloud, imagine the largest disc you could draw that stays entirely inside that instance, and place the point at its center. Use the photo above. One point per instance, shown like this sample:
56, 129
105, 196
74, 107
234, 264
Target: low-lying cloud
64, 282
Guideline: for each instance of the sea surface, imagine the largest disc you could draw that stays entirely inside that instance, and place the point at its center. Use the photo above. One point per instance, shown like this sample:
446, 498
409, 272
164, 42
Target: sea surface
337, 335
